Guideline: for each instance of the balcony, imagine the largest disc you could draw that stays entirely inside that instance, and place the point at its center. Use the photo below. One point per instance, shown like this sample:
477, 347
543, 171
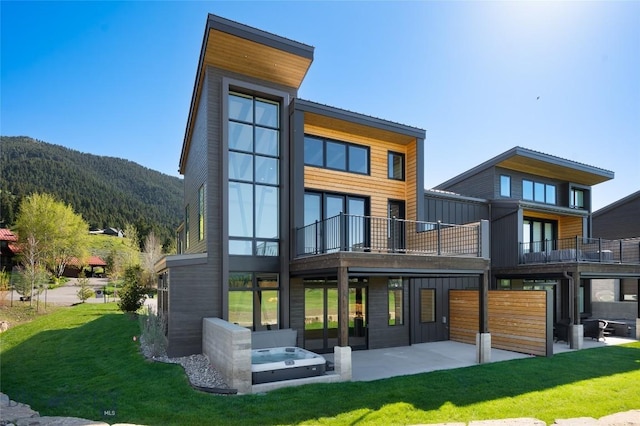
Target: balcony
354, 233
580, 249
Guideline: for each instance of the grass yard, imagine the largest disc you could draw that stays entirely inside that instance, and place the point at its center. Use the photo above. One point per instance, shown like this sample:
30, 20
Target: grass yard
82, 361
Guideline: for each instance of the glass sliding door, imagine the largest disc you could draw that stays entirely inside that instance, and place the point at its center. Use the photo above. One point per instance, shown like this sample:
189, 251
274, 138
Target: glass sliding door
320, 319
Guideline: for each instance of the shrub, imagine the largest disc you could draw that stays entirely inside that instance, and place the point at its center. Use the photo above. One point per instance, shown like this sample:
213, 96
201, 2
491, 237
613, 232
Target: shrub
152, 331
85, 291
132, 293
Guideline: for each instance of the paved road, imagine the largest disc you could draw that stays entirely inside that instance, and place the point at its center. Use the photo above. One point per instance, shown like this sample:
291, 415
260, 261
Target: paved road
67, 294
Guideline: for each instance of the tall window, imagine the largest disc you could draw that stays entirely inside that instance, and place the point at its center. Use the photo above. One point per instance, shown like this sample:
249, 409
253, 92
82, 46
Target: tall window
396, 301
427, 305
538, 191
577, 198
396, 165
253, 300
538, 235
201, 213
254, 177
336, 155
505, 186
186, 227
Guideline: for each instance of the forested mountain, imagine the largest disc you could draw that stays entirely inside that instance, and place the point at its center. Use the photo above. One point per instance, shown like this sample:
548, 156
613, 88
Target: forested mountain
106, 191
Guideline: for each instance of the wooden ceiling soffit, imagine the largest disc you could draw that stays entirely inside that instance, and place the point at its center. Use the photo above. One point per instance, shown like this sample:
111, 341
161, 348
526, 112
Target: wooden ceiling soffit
237, 54
553, 171
356, 129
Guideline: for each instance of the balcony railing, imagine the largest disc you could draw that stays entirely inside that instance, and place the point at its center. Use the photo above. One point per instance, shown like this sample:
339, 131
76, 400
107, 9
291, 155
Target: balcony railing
580, 249
354, 233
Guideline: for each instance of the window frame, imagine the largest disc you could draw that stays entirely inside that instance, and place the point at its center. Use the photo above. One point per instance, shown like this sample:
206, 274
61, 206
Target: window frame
390, 156
257, 300
536, 196
347, 159
505, 183
186, 227
573, 191
394, 286
201, 215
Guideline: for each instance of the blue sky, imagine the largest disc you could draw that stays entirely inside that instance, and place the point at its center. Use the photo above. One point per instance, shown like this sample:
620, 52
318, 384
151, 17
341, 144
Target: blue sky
115, 78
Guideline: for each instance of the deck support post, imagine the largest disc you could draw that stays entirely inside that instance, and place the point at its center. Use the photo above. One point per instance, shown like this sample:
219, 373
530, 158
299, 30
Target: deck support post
483, 338
343, 306
576, 330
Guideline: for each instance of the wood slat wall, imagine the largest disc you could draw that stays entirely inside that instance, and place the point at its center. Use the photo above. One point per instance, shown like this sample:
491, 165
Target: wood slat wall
517, 319
568, 226
377, 186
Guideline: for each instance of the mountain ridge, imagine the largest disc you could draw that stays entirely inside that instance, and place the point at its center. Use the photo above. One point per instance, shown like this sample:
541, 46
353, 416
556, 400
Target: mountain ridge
107, 191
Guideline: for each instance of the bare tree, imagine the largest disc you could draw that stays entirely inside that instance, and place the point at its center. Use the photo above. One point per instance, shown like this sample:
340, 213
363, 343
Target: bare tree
151, 254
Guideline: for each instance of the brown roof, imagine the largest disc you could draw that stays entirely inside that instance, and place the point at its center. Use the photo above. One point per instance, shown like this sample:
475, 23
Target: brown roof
7, 235
91, 261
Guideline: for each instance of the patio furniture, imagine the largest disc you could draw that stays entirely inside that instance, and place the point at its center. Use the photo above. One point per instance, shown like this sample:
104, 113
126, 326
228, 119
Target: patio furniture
595, 329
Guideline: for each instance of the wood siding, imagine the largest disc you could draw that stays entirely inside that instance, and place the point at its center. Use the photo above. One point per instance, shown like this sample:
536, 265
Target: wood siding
517, 319
377, 186
568, 226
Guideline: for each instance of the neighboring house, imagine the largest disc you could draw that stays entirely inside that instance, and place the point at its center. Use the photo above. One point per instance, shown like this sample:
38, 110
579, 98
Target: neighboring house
541, 237
8, 249
305, 216
617, 298
73, 268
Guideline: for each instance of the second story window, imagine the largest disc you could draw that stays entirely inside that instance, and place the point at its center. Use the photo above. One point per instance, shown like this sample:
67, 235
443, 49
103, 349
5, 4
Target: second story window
201, 213
538, 191
336, 155
577, 198
505, 186
396, 165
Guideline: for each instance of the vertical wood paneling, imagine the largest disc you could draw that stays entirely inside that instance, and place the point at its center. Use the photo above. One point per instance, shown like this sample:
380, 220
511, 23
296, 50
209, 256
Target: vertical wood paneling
517, 319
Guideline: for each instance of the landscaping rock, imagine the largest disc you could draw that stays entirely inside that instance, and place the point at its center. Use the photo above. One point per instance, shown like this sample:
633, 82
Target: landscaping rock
578, 421
58, 421
522, 421
626, 418
11, 411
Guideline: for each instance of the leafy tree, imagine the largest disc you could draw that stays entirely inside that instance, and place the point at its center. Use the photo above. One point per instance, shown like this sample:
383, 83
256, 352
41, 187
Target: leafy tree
5, 285
85, 290
57, 232
132, 293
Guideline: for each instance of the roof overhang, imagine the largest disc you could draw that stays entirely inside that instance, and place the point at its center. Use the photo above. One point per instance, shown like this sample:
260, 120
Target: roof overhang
245, 50
341, 120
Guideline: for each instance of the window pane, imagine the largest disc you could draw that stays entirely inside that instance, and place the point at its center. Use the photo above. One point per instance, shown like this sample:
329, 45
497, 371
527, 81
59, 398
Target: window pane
240, 247
396, 316
358, 159
240, 108
267, 114
311, 208
268, 309
266, 212
266, 170
201, 213
336, 155
240, 136
396, 166
240, 166
267, 141
240, 209
266, 248
550, 196
505, 186
579, 198
538, 192
241, 308
427, 305
527, 190
240, 280
313, 152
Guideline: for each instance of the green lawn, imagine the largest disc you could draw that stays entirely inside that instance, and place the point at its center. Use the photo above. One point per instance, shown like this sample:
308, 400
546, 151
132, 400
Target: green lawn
82, 361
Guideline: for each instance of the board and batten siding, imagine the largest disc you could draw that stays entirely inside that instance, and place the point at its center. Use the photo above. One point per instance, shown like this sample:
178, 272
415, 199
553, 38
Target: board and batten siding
480, 185
376, 186
519, 321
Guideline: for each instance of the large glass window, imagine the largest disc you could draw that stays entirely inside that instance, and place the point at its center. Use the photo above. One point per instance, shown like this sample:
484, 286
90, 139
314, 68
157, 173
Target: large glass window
505, 186
201, 213
538, 235
577, 198
538, 191
395, 165
396, 301
427, 305
254, 175
254, 300
336, 155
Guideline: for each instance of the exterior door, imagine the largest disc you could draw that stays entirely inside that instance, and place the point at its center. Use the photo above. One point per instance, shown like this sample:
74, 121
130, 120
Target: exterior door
396, 239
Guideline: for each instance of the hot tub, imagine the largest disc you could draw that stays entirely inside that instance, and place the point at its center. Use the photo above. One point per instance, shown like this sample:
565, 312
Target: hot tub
285, 363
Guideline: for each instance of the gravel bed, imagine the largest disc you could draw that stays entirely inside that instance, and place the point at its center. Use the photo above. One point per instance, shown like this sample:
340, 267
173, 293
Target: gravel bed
199, 371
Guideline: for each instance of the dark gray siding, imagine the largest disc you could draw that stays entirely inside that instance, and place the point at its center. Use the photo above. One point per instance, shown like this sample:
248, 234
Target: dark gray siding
562, 187
456, 211
621, 221
190, 297
506, 224
481, 185
380, 334
296, 308
438, 330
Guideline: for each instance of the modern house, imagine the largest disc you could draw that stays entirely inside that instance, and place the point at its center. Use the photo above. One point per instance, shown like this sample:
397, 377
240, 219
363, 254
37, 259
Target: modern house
305, 216
539, 207
617, 298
